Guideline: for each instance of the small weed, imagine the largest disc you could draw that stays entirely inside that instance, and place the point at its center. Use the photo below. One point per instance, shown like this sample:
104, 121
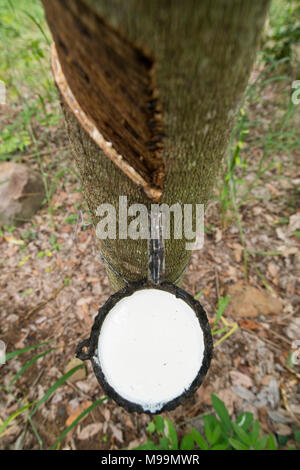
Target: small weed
219, 433
53, 243
229, 328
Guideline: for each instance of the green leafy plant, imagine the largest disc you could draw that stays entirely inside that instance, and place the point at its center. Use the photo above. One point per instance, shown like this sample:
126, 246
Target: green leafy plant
219, 433
284, 30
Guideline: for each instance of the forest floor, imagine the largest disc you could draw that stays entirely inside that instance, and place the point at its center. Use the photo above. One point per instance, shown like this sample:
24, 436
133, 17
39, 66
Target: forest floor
52, 286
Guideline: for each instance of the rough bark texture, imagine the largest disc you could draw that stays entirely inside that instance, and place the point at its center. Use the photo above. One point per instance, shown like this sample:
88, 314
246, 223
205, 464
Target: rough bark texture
203, 54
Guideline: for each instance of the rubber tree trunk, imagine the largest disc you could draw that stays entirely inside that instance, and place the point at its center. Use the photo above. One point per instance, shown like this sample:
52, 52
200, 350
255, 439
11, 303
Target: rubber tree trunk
150, 90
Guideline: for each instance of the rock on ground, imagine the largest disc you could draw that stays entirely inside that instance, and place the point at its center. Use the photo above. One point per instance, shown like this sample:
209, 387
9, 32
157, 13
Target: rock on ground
21, 192
249, 301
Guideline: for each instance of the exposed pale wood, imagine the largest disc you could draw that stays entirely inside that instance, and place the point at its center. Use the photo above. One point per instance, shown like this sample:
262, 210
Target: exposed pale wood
90, 127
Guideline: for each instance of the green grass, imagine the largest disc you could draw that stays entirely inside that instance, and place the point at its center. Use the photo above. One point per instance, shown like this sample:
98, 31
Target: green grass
220, 432
279, 136
25, 69
284, 29
33, 105
26, 411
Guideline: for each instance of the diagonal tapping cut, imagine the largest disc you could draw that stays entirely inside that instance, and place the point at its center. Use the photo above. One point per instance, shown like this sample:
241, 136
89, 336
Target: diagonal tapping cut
109, 84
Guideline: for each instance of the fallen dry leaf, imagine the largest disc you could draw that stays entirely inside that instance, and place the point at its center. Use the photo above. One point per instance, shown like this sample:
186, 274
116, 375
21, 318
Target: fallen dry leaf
294, 223
282, 429
272, 269
106, 414
239, 379
117, 432
14, 241
229, 398
238, 251
75, 412
218, 235
249, 324
204, 394
89, 431
80, 374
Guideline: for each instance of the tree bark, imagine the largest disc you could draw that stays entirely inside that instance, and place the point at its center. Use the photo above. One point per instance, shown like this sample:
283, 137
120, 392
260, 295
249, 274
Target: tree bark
161, 81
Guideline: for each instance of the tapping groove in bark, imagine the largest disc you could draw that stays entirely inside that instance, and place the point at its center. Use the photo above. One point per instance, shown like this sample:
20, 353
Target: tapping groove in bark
204, 52
109, 83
